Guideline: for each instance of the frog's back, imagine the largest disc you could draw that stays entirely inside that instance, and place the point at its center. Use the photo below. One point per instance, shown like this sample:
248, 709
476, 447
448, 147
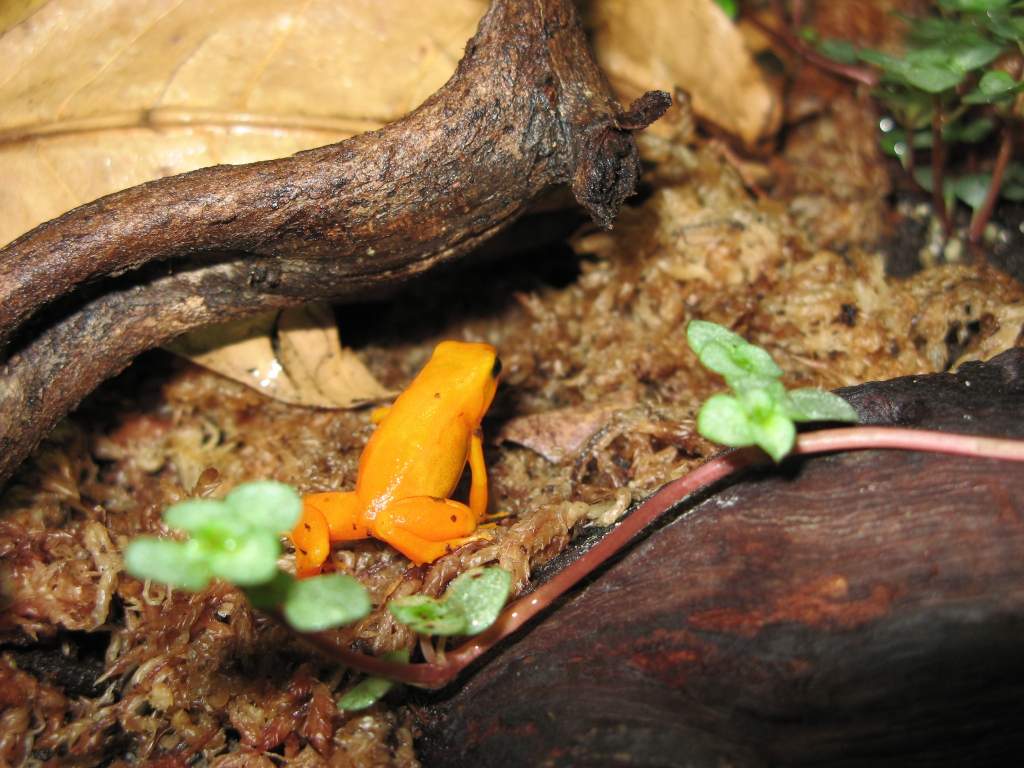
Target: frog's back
420, 447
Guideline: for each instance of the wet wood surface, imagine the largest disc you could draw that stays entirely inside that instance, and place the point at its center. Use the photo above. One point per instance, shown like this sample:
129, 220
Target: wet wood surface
853, 609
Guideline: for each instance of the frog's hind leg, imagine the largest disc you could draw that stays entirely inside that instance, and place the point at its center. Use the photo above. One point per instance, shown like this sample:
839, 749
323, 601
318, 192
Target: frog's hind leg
423, 528
326, 517
342, 511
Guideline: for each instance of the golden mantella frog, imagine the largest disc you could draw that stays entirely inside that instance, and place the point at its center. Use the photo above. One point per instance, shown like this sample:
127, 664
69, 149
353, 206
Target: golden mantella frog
411, 466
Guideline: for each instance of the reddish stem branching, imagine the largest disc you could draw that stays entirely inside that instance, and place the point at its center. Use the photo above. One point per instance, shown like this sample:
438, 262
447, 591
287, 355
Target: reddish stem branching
938, 168
984, 213
724, 465
787, 39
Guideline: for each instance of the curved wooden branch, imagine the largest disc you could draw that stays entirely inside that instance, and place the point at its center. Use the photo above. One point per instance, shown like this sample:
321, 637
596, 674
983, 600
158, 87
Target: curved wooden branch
527, 109
851, 609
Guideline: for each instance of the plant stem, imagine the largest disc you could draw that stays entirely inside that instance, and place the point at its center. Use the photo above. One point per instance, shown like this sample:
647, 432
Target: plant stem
668, 497
787, 39
909, 163
797, 14
938, 170
984, 213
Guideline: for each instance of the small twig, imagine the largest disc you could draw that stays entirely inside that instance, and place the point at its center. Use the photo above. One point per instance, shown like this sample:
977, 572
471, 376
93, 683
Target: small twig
938, 169
723, 150
719, 467
984, 213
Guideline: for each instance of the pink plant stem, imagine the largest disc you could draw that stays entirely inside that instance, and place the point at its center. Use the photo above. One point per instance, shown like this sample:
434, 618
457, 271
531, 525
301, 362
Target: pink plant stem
666, 498
928, 441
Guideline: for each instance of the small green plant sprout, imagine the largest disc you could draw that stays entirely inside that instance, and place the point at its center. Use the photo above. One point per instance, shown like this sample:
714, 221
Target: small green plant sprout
370, 690
469, 606
238, 540
760, 411
956, 85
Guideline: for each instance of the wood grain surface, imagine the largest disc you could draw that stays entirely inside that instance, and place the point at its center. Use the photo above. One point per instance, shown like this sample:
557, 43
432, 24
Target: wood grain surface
853, 609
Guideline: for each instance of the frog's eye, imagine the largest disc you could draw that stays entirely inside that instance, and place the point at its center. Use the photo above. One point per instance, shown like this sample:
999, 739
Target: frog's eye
497, 368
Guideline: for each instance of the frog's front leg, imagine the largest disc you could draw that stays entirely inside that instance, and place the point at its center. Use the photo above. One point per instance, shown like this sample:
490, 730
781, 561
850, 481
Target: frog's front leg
423, 528
326, 517
478, 471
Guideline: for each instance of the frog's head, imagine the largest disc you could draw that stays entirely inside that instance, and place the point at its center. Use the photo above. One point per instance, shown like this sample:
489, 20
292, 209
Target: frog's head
470, 372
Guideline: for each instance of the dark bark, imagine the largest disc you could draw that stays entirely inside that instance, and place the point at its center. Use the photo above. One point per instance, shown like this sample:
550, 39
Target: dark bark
854, 609
527, 109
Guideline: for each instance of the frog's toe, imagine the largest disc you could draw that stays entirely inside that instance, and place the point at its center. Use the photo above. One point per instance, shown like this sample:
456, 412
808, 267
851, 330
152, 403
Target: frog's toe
312, 542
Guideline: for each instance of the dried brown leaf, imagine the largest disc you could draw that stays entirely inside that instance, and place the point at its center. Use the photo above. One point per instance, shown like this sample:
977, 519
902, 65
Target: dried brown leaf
687, 44
294, 356
557, 435
96, 96
99, 96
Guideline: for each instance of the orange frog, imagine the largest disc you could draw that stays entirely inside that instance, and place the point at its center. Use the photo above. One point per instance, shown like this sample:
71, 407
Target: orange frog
412, 464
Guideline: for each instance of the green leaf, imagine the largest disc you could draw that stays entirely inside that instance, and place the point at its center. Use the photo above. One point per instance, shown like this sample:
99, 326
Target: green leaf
700, 333
323, 602
723, 420
970, 132
932, 78
266, 504
365, 694
1013, 182
839, 50
976, 6
885, 62
894, 142
995, 82
931, 29
429, 616
1014, 192
974, 52
729, 6
470, 604
480, 594
929, 69
945, 54
371, 689
923, 176
728, 353
818, 405
995, 86
912, 108
272, 594
774, 435
202, 515
179, 564
247, 559
1006, 26
972, 188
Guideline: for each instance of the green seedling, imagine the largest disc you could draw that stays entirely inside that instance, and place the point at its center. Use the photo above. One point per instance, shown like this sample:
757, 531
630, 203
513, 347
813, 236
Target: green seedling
469, 606
952, 90
238, 540
956, 84
371, 689
760, 411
